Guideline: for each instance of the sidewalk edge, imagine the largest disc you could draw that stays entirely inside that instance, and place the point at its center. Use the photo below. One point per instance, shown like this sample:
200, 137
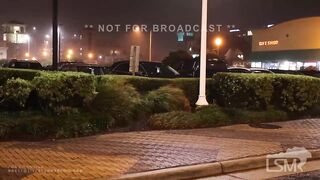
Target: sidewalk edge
205, 170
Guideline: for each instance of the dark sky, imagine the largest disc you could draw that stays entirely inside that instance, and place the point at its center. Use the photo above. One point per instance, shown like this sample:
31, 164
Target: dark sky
75, 13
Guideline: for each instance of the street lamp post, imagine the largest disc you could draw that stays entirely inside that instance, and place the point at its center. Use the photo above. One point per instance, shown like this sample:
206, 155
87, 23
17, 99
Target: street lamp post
202, 101
137, 30
29, 39
150, 46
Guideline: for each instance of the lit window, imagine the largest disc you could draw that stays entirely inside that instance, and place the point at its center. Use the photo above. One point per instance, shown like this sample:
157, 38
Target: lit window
256, 64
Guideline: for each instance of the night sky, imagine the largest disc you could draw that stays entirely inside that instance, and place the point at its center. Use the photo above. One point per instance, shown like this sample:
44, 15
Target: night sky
75, 13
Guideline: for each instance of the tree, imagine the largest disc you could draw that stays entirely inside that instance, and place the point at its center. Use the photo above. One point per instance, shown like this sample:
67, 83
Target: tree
176, 59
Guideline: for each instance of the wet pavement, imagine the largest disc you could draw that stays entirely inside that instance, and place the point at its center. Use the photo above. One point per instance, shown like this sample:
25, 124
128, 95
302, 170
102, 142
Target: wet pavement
112, 155
314, 175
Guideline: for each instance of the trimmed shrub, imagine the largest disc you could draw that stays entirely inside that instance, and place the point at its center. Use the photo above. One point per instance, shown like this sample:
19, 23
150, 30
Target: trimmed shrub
58, 90
118, 100
15, 93
249, 91
25, 125
174, 120
143, 85
240, 116
296, 93
37, 125
166, 99
81, 124
212, 116
260, 91
7, 73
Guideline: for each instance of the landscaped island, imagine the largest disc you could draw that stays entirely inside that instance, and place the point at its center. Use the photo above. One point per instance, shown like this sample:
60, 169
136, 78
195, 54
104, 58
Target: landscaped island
36, 104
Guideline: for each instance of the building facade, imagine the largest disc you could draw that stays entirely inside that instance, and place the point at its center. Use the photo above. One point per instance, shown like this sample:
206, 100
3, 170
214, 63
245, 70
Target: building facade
16, 40
292, 45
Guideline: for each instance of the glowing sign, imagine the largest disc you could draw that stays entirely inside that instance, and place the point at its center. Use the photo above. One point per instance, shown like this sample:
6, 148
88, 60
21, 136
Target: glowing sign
268, 43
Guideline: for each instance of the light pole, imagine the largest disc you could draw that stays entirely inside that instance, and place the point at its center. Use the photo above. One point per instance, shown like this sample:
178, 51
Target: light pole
137, 30
150, 46
29, 39
202, 101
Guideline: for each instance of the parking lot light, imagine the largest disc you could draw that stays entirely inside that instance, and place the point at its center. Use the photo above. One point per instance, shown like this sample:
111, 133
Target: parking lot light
202, 101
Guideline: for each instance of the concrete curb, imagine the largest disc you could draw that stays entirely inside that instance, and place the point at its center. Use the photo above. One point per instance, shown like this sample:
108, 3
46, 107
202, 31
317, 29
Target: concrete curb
206, 170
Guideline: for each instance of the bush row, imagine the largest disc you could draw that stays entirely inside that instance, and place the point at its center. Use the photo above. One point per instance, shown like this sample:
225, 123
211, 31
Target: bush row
190, 86
75, 104
214, 116
6, 74
262, 91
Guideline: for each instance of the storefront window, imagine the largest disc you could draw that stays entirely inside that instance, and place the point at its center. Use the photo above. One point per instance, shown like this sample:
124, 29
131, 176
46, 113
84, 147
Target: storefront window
256, 64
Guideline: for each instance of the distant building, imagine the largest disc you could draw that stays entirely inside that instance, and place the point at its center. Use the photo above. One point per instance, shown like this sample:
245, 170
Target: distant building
291, 45
15, 39
3, 53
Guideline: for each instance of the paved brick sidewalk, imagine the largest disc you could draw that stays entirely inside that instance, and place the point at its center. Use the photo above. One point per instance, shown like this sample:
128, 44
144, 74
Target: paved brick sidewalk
112, 155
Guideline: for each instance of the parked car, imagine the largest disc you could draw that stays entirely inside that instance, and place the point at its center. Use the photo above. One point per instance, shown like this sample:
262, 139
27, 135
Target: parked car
23, 64
312, 73
147, 69
278, 71
81, 67
249, 70
191, 68
259, 70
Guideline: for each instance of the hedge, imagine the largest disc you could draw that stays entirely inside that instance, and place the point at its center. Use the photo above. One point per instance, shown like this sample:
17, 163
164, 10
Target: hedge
213, 116
15, 93
261, 91
76, 104
166, 99
61, 91
190, 86
6, 73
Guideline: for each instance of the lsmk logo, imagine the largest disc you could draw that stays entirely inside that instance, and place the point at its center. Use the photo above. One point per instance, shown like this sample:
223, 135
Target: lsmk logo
292, 160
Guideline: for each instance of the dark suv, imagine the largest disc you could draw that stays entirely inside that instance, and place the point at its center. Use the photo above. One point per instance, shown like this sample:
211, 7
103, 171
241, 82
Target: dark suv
147, 69
82, 67
191, 67
23, 64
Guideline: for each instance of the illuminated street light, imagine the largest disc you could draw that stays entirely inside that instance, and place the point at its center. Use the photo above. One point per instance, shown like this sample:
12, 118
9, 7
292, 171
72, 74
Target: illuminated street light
34, 28
47, 36
27, 55
45, 53
70, 51
90, 55
100, 57
69, 56
136, 29
202, 101
218, 43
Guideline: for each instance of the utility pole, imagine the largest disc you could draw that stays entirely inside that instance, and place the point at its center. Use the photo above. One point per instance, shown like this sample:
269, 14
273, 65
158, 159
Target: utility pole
55, 35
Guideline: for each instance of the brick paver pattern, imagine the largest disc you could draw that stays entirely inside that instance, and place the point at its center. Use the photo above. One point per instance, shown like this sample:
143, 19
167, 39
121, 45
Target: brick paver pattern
112, 155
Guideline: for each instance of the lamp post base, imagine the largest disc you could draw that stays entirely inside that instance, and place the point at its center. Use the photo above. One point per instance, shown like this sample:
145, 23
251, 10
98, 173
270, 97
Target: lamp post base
202, 101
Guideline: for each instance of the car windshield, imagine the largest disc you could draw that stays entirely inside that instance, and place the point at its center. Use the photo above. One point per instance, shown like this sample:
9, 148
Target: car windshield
158, 68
